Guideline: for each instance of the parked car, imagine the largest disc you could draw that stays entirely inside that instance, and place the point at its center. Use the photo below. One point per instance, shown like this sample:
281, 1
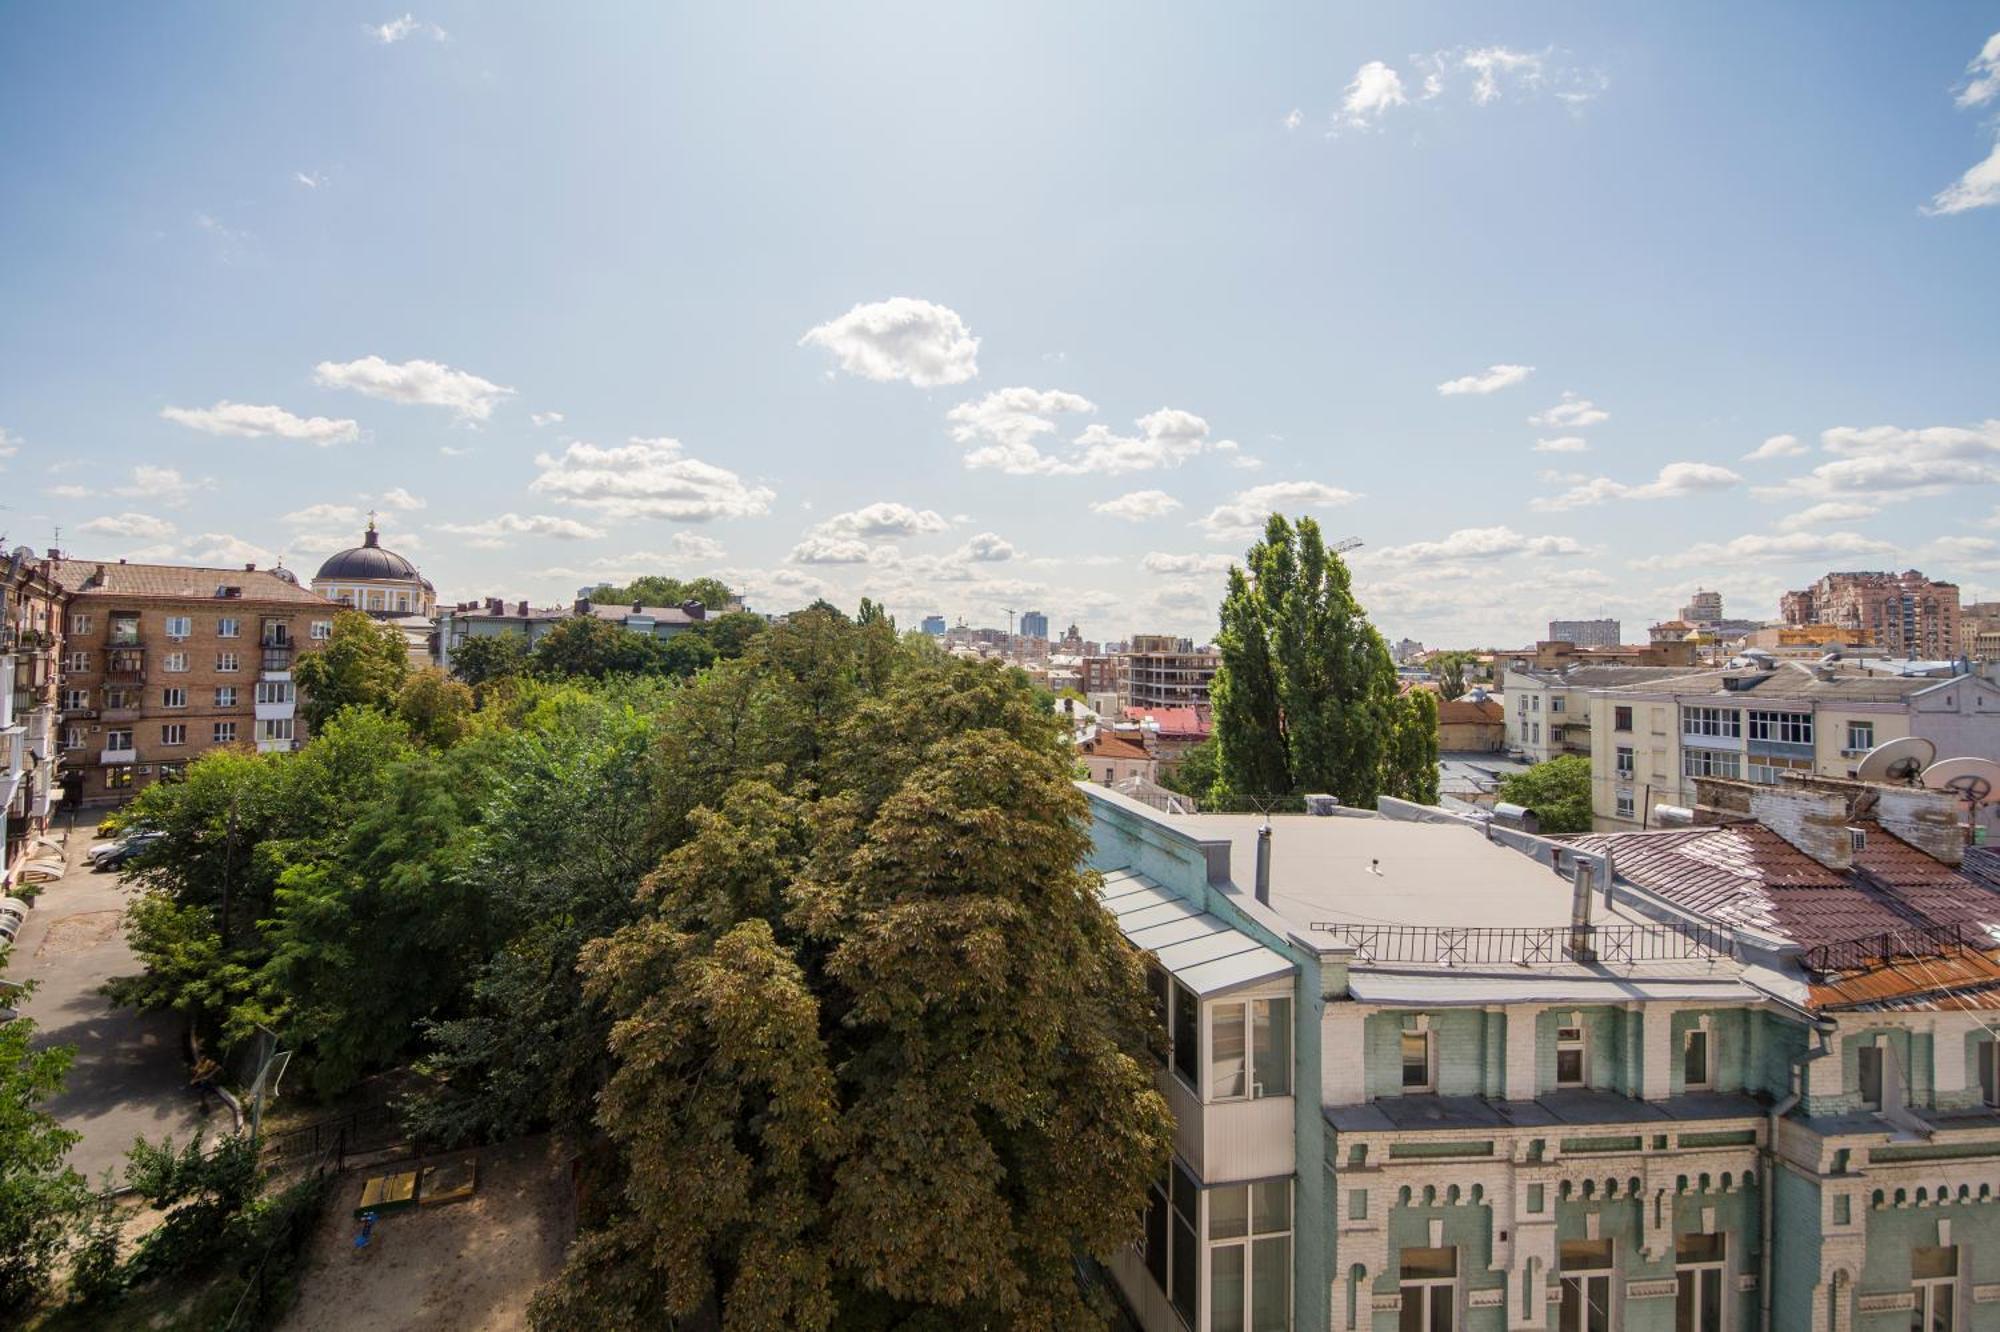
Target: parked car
112, 854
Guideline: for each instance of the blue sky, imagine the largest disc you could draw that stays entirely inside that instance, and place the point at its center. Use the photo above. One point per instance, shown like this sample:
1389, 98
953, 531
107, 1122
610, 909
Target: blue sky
1018, 305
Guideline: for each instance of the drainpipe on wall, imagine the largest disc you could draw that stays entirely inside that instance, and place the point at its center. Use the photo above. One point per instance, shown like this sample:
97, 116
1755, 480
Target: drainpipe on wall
1770, 1191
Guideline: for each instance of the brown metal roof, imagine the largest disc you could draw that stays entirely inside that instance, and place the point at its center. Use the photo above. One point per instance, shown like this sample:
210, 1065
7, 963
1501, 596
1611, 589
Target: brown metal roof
1959, 978
178, 582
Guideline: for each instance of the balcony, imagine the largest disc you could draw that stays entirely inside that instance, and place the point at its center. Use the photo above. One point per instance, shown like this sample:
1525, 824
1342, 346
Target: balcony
123, 713
79, 714
125, 663
1543, 945
276, 657
110, 757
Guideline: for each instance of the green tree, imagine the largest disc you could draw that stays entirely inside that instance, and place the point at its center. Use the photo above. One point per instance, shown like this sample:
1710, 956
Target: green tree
202, 1191
436, 708
477, 661
1305, 696
658, 590
731, 634
1410, 755
1558, 791
589, 648
1198, 772
363, 664
40, 1197
1451, 676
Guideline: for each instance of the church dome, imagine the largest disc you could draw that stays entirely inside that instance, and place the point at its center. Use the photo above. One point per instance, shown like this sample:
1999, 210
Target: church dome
367, 561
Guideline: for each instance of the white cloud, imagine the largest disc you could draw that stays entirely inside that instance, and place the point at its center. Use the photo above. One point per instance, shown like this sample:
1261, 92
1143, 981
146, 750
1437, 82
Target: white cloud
400, 498
884, 518
1498, 73
450, 451
692, 546
1233, 451
1293, 119
1491, 65
9, 444
1572, 413
1004, 425
1491, 380
1875, 460
1137, 506
987, 548
1979, 187
1832, 511
1777, 446
1247, 510
70, 492
331, 515
1376, 88
415, 383
1159, 562
249, 421
1795, 546
815, 549
312, 180
220, 548
545, 418
1477, 543
1562, 444
492, 534
165, 485
1982, 76
647, 478
1675, 480
409, 25
133, 526
900, 338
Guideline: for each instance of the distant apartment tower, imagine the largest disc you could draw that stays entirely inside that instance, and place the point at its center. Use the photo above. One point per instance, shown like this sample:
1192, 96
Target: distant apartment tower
1909, 614
1034, 624
1979, 630
1586, 633
1703, 608
1161, 671
934, 625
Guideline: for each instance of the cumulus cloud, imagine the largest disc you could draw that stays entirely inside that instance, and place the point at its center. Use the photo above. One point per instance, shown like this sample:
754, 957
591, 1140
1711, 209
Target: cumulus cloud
1758, 547
814, 548
1979, 187
1832, 511
1247, 510
399, 29
1674, 481
132, 526
415, 383
883, 519
1982, 76
988, 548
1562, 444
647, 478
312, 180
545, 418
1572, 413
1478, 543
1002, 428
1137, 506
1777, 446
1491, 380
1375, 90
250, 421
69, 491
221, 548
492, 534
1871, 461
1160, 562
1293, 119
164, 485
400, 498
902, 338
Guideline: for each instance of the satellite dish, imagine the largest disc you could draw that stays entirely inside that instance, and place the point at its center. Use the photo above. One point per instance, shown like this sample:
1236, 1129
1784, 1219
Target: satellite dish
1896, 761
1973, 780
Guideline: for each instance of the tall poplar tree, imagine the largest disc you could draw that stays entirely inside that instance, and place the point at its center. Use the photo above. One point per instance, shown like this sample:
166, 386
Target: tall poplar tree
1305, 697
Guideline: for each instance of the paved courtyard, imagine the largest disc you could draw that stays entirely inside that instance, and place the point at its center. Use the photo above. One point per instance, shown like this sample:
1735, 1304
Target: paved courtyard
128, 1078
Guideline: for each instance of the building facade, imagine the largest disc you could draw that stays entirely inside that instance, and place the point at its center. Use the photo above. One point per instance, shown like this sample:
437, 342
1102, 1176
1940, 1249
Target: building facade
162, 663
1474, 724
387, 586
1161, 671
934, 625
1034, 624
493, 617
1908, 614
31, 625
1587, 633
1548, 711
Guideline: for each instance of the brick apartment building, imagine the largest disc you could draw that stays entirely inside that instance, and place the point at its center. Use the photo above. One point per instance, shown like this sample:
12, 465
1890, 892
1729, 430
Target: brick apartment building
1161, 671
1909, 614
30, 644
162, 663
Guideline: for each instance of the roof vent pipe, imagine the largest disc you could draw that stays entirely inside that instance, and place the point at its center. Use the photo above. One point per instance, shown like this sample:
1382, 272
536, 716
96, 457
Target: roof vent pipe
1264, 864
1581, 944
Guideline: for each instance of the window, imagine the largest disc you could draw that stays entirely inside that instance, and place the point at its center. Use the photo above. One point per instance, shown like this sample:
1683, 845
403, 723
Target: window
1184, 1256
1868, 1066
118, 739
118, 778
1694, 1058
1625, 762
1711, 763
1989, 1072
76, 661
1764, 769
124, 630
118, 696
1417, 1061
1535, 729
1556, 703
180, 626
225, 733
229, 627
274, 728
1789, 728
1250, 1271
225, 696
274, 691
374, 600
74, 700
173, 697
1187, 1035
174, 733
1621, 719
1569, 1057
79, 624
1625, 805
72, 737
1723, 723
1263, 1029
1429, 1287
175, 661
1586, 1286
1534, 702
227, 661
277, 634
1860, 737
1934, 1282
1698, 1265
322, 630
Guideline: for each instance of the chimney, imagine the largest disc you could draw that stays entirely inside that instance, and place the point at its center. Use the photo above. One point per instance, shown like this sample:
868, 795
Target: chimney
1816, 822
524, 608
1264, 864
1582, 946
583, 605
1216, 853
1926, 819
638, 606
250, 566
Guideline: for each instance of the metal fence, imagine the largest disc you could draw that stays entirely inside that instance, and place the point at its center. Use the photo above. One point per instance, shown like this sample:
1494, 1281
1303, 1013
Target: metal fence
372, 1130
1871, 950
1456, 946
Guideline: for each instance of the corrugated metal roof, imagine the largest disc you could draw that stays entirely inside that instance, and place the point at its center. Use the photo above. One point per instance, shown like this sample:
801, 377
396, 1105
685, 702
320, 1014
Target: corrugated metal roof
1570, 986
1198, 949
1958, 978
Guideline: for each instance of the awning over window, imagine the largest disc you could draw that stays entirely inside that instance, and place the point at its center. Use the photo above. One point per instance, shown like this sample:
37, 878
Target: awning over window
1198, 949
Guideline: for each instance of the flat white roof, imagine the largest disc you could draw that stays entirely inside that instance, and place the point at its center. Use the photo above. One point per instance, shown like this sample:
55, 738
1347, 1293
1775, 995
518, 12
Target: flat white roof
1199, 950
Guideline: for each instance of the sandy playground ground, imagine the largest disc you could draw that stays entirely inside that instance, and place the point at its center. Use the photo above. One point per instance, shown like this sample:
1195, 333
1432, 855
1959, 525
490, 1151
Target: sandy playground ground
464, 1266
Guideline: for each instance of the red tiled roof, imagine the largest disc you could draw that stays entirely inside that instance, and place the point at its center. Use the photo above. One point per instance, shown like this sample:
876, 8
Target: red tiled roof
1470, 712
1114, 747
1175, 721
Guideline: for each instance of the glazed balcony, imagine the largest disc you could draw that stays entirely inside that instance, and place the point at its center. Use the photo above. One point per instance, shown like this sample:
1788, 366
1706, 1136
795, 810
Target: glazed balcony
125, 663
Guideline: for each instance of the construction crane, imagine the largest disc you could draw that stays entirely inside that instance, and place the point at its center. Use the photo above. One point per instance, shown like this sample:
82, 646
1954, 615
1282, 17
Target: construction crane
1010, 620
1346, 544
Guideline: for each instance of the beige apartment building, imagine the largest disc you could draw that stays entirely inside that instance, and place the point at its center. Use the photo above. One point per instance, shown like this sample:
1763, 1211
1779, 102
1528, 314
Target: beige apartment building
30, 648
1910, 615
1650, 741
162, 663
1161, 671
1548, 710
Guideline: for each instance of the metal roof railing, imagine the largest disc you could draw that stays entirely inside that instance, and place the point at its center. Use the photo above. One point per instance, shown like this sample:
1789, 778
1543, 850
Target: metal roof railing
1874, 950
1527, 946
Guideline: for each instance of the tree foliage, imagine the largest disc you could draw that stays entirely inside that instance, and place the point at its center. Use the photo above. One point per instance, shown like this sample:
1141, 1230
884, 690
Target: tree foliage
436, 708
1558, 791
40, 1197
1305, 696
487, 658
659, 590
362, 664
